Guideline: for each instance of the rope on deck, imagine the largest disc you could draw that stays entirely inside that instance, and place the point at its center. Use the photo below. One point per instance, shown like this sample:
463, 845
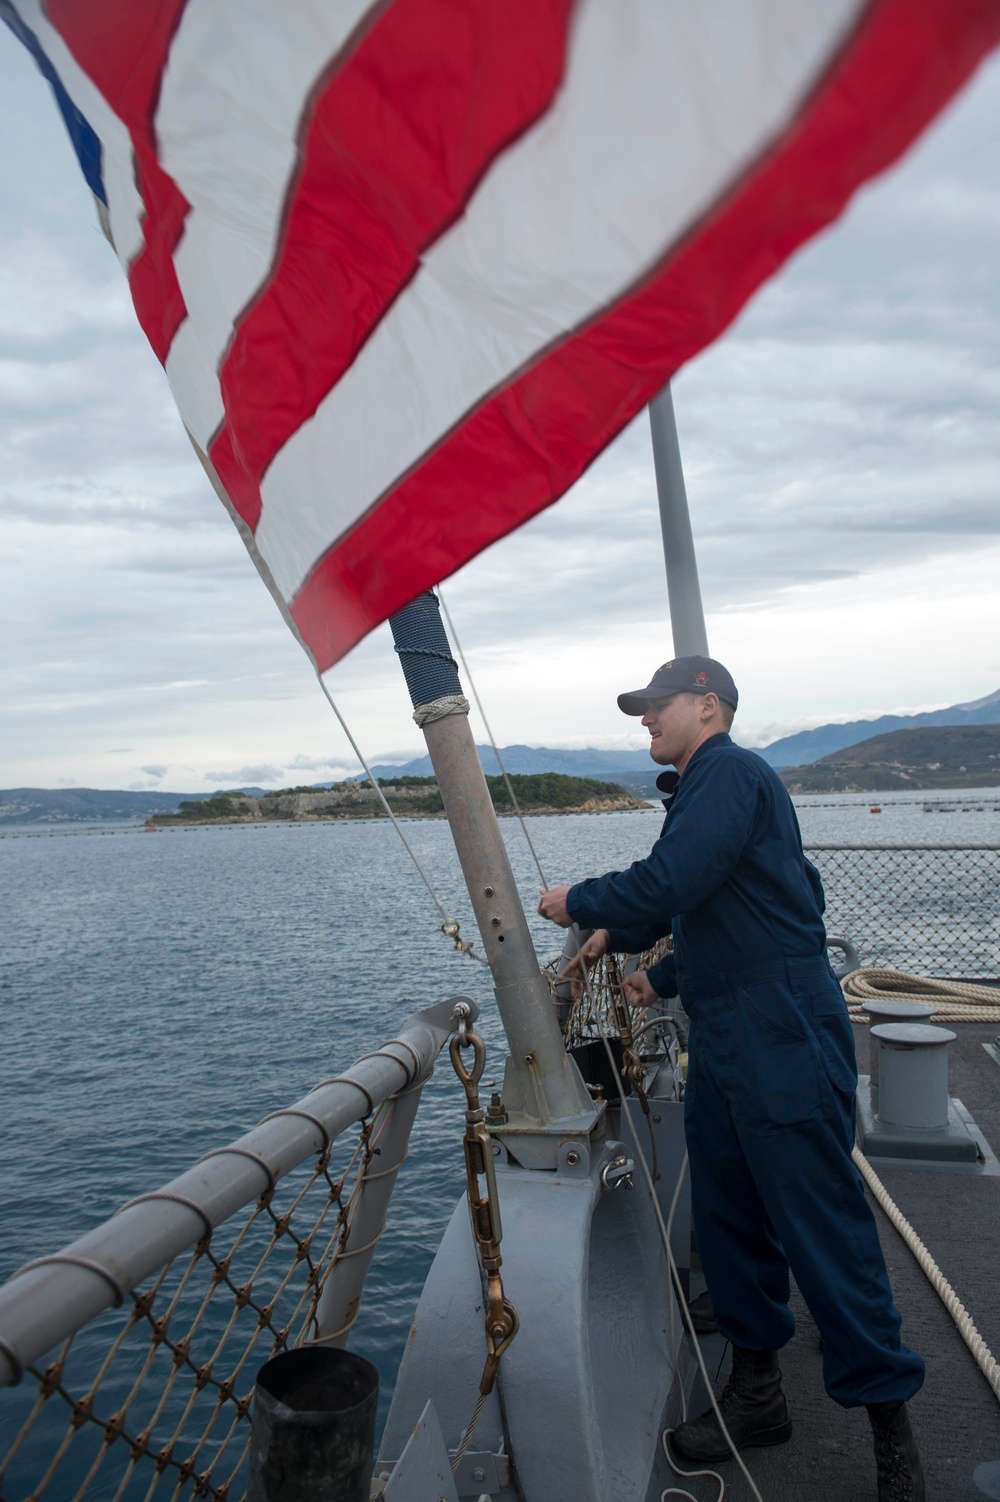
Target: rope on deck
960, 1001
985, 1360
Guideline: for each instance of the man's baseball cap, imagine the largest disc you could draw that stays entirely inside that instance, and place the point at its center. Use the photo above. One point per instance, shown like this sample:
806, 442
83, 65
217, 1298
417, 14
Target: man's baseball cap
682, 675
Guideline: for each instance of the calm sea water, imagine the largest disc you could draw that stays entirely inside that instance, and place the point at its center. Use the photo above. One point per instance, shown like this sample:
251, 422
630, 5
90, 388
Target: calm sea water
160, 993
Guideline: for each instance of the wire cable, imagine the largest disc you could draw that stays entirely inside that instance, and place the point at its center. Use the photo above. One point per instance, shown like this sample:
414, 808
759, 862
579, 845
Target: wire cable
445, 919
496, 750
675, 1277
686, 1313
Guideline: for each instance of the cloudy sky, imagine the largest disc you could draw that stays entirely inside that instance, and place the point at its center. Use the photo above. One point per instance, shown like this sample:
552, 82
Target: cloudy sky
841, 448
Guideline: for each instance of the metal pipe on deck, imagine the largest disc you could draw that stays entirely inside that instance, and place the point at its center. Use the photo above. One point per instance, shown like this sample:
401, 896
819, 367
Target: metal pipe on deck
313, 1433
687, 615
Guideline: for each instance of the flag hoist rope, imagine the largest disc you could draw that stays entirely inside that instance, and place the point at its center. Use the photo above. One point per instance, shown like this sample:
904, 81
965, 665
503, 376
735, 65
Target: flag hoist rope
449, 925
486, 724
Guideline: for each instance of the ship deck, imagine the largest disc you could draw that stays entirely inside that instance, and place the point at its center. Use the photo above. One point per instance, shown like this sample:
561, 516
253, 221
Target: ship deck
956, 1415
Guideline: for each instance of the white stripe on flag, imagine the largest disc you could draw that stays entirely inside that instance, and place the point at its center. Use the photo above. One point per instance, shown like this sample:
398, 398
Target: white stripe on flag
663, 107
125, 206
234, 90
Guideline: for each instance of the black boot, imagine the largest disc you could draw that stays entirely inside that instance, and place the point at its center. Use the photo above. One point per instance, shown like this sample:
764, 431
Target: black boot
753, 1408
900, 1474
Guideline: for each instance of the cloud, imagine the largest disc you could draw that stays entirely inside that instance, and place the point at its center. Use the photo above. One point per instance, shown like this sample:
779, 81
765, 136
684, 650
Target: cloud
840, 448
157, 772
254, 774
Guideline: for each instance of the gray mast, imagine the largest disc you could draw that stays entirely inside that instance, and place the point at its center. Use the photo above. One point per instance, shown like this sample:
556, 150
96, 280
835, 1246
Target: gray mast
687, 617
544, 1094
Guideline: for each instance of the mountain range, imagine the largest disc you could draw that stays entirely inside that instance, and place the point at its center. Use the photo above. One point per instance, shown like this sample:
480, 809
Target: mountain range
810, 745
632, 769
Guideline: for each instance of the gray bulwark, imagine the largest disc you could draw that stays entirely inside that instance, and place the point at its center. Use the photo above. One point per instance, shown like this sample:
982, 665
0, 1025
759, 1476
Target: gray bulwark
586, 1381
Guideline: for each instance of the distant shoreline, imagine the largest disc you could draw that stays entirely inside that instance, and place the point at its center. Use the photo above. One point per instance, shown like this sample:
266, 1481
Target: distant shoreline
982, 789
371, 817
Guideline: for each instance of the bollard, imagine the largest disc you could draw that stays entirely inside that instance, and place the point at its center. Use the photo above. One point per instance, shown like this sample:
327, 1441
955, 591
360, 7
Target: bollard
913, 1075
313, 1434
891, 1011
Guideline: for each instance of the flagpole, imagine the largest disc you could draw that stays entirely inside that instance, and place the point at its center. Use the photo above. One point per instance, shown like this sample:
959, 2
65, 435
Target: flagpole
687, 615
543, 1092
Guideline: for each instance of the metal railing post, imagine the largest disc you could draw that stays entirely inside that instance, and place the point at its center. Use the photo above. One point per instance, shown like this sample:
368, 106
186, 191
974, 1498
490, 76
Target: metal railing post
341, 1297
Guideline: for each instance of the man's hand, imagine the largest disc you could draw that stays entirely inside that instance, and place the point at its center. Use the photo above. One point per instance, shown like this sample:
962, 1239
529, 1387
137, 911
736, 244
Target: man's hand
638, 990
589, 954
553, 906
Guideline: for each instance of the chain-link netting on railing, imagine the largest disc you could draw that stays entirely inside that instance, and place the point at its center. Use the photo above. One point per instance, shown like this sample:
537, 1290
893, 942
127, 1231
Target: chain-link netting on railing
604, 1005
152, 1399
926, 909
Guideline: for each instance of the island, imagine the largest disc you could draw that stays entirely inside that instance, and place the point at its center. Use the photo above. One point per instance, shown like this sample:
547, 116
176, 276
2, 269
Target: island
408, 797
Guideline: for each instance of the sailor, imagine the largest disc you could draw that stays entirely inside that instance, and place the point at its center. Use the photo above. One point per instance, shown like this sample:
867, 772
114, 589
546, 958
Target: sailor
769, 1102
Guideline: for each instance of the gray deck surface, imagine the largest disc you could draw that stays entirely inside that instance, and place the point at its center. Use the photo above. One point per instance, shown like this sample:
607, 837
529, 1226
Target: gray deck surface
956, 1416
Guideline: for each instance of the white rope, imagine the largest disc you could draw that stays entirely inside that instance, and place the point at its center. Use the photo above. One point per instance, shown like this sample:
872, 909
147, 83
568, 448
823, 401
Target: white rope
496, 750
961, 1000
675, 1277
680, 1491
440, 709
446, 921
984, 1357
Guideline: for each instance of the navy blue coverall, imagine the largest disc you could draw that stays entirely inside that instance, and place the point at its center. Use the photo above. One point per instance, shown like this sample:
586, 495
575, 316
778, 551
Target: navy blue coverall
769, 1103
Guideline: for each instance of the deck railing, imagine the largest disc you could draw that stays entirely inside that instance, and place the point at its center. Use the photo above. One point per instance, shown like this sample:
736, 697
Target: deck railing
926, 909
127, 1359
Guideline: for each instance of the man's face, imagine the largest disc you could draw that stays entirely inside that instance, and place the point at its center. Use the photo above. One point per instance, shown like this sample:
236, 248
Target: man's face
674, 725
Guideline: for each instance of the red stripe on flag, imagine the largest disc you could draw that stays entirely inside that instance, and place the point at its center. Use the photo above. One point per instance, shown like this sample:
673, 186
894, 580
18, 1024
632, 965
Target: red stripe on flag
395, 143
124, 50
528, 443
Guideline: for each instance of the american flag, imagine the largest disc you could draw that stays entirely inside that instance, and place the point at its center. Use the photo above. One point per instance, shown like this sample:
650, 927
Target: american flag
410, 266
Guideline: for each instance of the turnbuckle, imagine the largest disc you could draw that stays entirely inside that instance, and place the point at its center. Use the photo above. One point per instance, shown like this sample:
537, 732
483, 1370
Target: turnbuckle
502, 1320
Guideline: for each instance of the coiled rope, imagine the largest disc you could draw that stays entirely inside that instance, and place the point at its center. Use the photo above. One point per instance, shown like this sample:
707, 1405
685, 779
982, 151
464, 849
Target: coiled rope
960, 1000
984, 1357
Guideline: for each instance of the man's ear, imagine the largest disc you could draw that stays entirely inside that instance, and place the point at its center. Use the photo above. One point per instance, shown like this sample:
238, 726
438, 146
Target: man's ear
713, 700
